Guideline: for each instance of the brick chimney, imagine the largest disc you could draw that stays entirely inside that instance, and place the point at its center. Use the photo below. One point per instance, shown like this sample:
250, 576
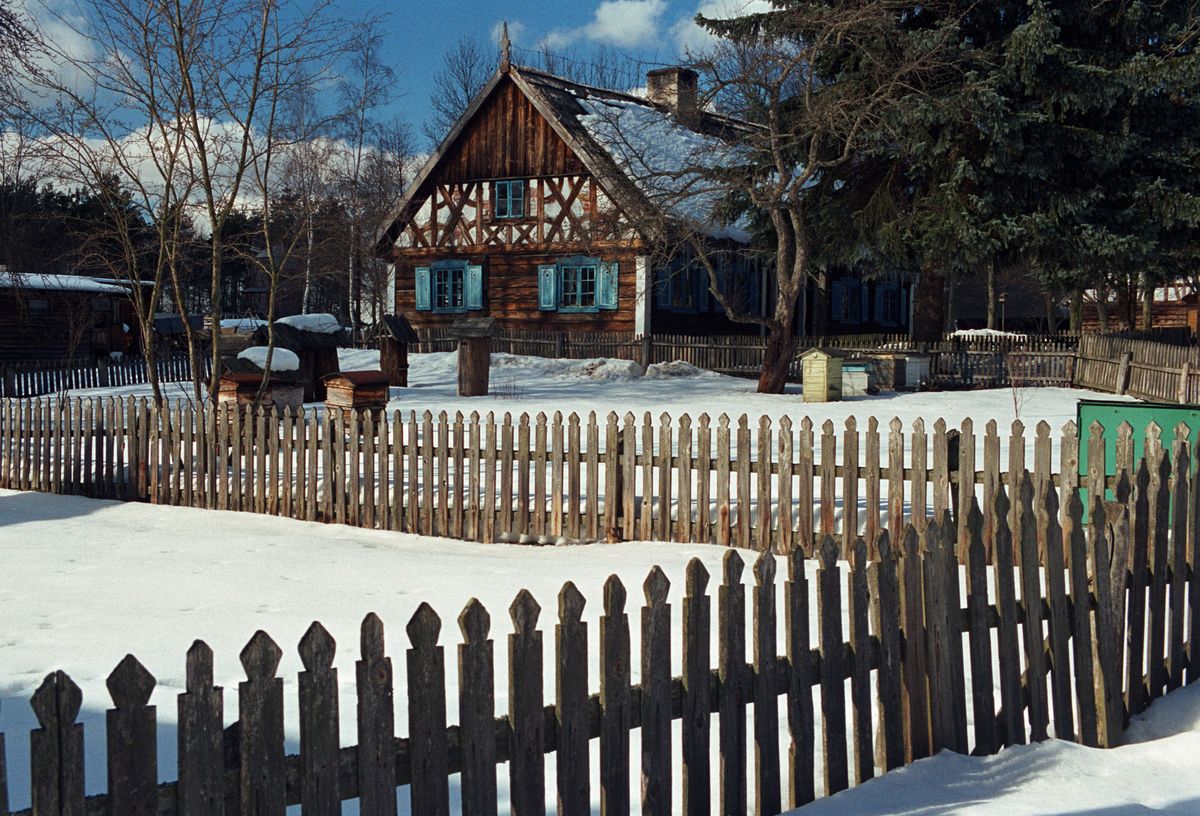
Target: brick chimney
673, 88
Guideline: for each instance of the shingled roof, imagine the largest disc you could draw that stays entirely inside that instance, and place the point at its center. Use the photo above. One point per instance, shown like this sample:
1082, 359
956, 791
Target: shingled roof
627, 142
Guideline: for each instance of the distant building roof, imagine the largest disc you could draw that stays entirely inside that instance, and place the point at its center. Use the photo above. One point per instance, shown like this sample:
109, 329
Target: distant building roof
61, 283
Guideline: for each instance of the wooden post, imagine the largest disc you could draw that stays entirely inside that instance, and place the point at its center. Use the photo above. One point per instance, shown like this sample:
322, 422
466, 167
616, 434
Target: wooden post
474, 366
526, 761
477, 712
697, 793
615, 704
260, 714
1123, 372
656, 695
318, 724
132, 741
1185, 380
56, 748
571, 704
376, 724
427, 714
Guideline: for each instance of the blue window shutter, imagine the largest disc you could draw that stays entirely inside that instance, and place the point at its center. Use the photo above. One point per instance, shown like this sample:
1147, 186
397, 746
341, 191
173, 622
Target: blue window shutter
606, 285
836, 297
473, 281
548, 287
422, 289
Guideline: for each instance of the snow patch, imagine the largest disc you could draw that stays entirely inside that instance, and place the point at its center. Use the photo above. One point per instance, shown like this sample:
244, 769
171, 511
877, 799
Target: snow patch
242, 325
674, 370
350, 359
996, 333
281, 360
321, 323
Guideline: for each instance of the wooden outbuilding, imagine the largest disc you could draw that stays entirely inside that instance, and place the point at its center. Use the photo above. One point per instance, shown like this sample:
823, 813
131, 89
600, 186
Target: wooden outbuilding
357, 391
317, 350
397, 335
822, 375
474, 337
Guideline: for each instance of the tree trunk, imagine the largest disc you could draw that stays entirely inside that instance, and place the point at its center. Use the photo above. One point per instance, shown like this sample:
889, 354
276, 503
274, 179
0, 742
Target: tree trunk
1102, 309
991, 295
777, 360
1147, 302
1076, 319
1051, 313
929, 306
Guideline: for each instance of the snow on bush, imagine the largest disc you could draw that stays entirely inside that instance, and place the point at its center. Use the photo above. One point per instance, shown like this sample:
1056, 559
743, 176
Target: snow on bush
281, 360
321, 323
674, 370
242, 325
599, 368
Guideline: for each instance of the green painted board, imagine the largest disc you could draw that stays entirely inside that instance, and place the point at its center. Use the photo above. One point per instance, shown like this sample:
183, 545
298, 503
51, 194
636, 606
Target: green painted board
1111, 413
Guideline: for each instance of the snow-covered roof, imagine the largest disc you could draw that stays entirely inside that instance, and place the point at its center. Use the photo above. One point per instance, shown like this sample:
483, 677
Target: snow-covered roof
60, 283
281, 360
242, 324
668, 161
321, 323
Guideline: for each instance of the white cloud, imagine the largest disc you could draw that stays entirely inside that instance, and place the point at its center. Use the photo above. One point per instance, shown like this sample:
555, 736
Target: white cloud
623, 23
516, 30
690, 37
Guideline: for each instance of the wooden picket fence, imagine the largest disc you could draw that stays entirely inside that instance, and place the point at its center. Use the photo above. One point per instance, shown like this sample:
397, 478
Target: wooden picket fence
539, 479
39, 377
919, 650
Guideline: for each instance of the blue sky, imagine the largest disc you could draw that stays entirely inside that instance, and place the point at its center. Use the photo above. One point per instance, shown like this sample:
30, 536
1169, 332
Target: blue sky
418, 32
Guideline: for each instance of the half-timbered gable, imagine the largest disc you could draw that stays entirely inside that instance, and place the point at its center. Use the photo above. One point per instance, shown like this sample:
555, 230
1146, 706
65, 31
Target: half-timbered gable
524, 215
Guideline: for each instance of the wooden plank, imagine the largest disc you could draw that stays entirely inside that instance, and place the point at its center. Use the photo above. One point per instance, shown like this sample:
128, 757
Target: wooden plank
507, 452
262, 781
427, 757
574, 480
1107, 567
1135, 693
731, 672
132, 741
441, 475
458, 480
804, 488
696, 746
722, 523
912, 616
801, 727
383, 495
1032, 633
1193, 569
571, 705
664, 488
412, 447
980, 637
1059, 620
477, 712
610, 528
1160, 508
656, 695
762, 532
703, 475
833, 692
767, 798
683, 520
920, 476
318, 687
871, 490
526, 767
629, 509
862, 731
593, 486
895, 478
785, 452
828, 479
1012, 720
376, 723
942, 632
1081, 618
538, 519
646, 506
56, 748
1179, 558
616, 713
365, 495
885, 620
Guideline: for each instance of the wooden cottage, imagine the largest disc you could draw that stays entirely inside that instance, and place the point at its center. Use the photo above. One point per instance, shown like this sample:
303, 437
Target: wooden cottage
536, 211
55, 316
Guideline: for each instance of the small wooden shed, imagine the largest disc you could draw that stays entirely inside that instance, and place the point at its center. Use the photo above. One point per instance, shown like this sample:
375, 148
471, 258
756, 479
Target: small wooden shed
357, 391
474, 337
821, 375
397, 335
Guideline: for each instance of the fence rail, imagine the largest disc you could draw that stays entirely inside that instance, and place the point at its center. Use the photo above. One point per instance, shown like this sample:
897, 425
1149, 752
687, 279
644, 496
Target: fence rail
892, 688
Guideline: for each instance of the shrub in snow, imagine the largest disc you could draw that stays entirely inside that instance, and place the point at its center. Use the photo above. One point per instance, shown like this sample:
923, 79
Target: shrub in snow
281, 360
673, 370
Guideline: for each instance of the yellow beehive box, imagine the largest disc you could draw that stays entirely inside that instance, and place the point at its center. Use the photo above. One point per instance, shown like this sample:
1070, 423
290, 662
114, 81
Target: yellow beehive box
821, 375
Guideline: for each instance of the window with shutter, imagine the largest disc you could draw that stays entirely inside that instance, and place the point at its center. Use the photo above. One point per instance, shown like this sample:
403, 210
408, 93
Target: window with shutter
421, 289
548, 287
474, 286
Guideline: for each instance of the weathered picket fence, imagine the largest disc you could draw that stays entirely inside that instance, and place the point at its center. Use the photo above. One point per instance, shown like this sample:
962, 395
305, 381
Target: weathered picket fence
918, 651
740, 483
38, 377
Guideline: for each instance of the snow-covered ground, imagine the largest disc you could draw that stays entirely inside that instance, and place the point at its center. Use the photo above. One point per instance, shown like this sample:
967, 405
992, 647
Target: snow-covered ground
86, 581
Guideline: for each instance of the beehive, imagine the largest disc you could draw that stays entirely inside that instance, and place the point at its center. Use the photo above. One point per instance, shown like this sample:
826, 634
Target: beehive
821, 375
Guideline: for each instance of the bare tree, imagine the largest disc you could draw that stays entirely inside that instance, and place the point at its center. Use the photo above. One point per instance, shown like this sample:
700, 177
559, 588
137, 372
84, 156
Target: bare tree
20, 44
465, 69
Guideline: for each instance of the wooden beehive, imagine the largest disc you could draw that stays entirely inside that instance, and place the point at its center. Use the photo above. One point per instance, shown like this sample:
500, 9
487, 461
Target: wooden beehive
821, 375
394, 340
241, 388
357, 390
474, 354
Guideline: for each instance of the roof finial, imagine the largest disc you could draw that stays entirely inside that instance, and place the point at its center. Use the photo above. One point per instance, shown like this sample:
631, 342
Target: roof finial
505, 48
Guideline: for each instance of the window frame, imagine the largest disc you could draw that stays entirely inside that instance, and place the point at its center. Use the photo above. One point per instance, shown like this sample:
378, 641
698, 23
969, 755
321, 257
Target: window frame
458, 268
578, 265
507, 185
